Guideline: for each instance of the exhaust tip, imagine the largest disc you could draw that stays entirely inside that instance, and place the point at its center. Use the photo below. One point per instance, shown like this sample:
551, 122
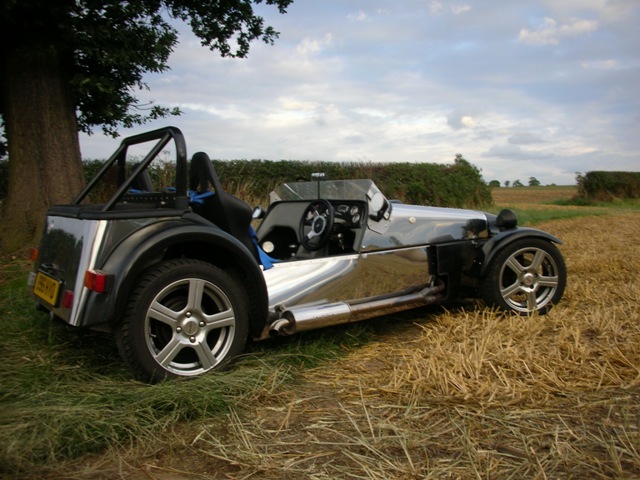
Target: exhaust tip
279, 327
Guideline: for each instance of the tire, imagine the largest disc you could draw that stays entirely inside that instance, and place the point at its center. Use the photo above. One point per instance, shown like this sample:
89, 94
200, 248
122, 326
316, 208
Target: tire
526, 276
184, 318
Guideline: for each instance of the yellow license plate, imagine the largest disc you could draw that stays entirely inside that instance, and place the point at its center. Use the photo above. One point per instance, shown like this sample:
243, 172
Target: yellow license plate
47, 288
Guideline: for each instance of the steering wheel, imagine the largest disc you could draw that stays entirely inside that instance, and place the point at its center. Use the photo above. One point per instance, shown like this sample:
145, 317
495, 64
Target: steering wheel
316, 224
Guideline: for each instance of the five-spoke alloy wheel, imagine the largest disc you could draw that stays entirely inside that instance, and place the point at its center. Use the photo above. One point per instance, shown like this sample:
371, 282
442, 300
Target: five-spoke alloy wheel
526, 276
184, 318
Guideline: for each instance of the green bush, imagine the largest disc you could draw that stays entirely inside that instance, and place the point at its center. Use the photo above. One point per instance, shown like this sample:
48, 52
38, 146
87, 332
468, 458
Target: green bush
454, 185
607, 186
459, 184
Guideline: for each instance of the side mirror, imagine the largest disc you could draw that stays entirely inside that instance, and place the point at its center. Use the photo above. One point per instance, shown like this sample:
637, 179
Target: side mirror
258, 213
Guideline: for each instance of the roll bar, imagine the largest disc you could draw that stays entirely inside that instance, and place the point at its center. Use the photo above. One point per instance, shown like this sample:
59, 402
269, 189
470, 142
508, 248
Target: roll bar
163, 137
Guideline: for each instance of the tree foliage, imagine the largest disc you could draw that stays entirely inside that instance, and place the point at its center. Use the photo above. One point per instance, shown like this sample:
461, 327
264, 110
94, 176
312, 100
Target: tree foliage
70, 65
108, 45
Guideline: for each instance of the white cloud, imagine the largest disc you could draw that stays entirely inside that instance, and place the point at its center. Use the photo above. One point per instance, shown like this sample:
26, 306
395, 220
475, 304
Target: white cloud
460, 9
550, 33
310, 46
610, 64
458, 121
413, 81
435, 7
524, 138
360, 16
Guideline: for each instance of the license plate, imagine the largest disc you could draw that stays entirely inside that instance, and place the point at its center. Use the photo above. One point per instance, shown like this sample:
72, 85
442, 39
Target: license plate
47, 288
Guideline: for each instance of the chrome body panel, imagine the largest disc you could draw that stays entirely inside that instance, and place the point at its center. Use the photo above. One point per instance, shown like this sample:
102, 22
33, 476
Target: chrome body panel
391, 225
390, 252
347, 277
69, 247
415, 225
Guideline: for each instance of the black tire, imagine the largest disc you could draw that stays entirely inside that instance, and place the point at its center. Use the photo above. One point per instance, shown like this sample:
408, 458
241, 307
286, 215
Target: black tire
184, 318
526, 276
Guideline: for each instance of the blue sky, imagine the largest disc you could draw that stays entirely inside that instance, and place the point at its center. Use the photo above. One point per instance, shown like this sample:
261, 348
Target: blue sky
541, 88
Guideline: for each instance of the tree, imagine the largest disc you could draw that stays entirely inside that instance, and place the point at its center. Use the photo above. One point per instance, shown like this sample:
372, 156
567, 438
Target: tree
494, 183
534, 182
507, 183
517, 183
69, 65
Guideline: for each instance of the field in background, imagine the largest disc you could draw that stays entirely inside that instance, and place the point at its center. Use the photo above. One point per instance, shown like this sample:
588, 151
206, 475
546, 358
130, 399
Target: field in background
531, 195
462, 392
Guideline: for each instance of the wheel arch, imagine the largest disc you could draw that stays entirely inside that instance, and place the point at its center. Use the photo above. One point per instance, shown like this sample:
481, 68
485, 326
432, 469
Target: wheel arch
494, 245
201, 242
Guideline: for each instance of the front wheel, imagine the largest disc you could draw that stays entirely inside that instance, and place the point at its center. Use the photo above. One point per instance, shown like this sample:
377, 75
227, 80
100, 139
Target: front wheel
526, 276
183, 318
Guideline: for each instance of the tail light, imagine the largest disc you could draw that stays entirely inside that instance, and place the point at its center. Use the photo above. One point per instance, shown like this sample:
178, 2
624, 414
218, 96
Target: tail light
67, 299
97, 281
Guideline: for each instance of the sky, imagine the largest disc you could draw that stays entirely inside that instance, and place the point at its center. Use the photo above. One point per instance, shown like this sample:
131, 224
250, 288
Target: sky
527, 88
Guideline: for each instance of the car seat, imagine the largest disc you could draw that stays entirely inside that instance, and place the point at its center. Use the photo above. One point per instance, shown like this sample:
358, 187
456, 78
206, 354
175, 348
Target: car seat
225, 210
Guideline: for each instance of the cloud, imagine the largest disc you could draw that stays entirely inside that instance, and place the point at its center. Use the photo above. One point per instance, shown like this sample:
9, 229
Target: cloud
418, 82
309, 46
550, 33
459, 121
524, 138
360, 16
436, 8
509, 151
460, 9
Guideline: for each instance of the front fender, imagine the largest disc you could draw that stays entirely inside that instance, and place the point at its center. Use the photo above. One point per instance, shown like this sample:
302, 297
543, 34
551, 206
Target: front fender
496, 243
173, 239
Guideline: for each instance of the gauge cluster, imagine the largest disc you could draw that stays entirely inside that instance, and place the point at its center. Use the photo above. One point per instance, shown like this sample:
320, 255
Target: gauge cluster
350, 213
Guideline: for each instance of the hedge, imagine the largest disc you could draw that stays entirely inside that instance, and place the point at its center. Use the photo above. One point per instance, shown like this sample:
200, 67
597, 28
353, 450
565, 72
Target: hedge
605, 186
459, 184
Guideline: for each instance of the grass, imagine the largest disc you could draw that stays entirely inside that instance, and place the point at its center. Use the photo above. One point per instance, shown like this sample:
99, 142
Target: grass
462, 392
65, 393
534, 205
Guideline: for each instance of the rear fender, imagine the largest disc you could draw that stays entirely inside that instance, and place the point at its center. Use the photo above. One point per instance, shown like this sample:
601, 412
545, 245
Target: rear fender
502, 239
177, 240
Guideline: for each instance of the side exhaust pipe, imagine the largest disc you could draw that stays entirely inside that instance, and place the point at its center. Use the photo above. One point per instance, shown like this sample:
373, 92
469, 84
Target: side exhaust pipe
299, 319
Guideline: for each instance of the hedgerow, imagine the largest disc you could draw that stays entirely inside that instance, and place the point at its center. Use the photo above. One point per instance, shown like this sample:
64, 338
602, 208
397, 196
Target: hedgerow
459, 184
605, 186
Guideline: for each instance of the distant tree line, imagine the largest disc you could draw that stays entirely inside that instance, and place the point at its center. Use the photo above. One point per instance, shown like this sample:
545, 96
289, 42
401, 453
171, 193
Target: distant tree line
533, 182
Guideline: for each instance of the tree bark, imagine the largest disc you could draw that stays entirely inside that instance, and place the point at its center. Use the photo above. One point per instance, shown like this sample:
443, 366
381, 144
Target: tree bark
45, 167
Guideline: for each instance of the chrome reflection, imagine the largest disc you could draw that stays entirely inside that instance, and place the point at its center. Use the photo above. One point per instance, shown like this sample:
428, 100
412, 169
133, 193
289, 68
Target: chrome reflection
346, 278
415, 225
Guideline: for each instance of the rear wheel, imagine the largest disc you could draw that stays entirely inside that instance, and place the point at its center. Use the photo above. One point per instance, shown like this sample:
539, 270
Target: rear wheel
184, 318
526, 276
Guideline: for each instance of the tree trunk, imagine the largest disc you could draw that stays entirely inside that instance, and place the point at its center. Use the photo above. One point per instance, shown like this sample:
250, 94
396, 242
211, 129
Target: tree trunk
45, 166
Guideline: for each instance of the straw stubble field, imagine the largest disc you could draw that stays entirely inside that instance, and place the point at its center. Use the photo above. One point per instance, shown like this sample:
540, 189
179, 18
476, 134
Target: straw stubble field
466, 392
457, 393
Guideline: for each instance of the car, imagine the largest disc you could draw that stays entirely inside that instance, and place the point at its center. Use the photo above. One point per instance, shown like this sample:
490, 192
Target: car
183, 280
